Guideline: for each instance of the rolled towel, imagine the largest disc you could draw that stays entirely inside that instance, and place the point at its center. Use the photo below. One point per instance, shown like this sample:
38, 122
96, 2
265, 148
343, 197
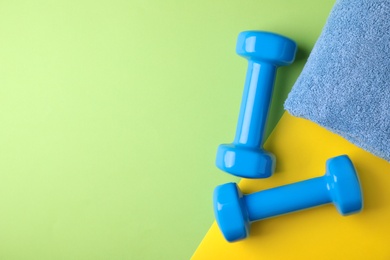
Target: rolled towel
345, 84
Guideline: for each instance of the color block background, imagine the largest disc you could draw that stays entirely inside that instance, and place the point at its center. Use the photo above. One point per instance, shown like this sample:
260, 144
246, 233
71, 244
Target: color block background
321, 232
111, 113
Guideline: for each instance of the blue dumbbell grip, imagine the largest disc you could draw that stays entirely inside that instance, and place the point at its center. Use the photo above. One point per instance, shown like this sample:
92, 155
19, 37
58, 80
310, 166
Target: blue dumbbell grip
255, 103
288, 198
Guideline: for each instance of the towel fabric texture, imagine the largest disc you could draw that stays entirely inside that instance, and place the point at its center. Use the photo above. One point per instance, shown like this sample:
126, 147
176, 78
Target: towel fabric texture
345, 84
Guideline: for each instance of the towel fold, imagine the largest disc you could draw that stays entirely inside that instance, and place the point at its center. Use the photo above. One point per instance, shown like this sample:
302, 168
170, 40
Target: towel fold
345, 84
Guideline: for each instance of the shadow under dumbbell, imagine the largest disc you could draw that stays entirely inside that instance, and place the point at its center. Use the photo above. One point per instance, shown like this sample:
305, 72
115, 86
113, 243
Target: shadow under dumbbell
292, 223
285, 79
370, 181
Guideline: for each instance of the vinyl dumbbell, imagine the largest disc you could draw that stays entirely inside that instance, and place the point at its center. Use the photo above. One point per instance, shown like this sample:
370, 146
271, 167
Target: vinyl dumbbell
340, 185
265, 52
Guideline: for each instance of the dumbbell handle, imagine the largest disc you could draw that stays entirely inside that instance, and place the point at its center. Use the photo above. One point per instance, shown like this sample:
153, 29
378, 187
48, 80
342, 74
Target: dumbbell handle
288, 198
255, 103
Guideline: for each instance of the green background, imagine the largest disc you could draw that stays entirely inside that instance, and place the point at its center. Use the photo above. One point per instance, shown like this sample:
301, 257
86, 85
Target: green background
111, 113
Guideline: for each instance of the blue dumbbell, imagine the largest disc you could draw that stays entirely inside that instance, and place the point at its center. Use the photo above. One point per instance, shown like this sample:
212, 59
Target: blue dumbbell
234, 211
265, 52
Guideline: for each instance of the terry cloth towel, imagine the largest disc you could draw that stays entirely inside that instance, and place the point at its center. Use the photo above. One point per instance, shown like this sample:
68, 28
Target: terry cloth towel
345, 84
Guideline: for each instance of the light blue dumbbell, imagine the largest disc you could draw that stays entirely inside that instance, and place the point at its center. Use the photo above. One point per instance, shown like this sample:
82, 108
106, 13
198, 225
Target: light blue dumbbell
265, 52
234, 211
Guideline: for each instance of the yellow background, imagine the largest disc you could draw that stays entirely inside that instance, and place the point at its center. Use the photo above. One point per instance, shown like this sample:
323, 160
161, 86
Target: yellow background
302, 148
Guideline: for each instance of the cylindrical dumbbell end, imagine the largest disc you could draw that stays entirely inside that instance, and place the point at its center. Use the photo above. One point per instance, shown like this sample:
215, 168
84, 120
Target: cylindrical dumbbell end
230, 212
266, 46
343, 184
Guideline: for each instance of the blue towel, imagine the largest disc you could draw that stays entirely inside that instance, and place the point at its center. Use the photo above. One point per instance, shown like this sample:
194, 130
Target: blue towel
345, 84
